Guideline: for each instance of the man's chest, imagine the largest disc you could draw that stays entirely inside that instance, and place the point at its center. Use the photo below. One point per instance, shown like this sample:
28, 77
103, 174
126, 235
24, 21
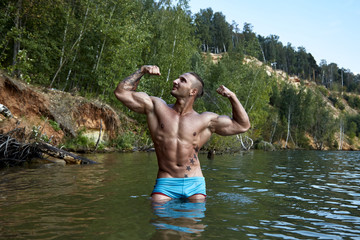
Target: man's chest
181, 127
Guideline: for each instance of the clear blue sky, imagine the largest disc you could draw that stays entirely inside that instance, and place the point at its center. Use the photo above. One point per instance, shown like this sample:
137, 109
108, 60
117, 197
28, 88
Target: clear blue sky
328, 29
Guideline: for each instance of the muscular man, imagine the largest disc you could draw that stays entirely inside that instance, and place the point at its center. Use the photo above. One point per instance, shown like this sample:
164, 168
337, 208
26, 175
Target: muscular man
178, 132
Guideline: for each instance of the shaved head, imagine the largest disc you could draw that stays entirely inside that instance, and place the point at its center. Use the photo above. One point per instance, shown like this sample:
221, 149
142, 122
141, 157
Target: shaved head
199, 84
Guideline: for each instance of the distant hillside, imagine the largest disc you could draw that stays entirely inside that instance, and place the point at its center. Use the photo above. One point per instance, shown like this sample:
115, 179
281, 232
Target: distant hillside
327, 95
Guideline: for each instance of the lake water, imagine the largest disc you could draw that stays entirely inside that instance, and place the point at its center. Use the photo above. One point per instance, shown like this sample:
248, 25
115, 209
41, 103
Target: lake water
254, 195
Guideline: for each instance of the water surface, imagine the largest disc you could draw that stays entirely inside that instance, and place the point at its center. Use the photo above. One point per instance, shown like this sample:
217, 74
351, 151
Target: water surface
254, 195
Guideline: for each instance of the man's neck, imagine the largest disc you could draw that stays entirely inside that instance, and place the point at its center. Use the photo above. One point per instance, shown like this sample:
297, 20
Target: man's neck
183, 106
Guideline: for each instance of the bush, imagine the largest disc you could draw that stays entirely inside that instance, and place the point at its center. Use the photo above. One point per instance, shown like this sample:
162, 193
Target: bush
323, 91
79, 142
333, 99
125, 141
340, 105
352, 130
54, 125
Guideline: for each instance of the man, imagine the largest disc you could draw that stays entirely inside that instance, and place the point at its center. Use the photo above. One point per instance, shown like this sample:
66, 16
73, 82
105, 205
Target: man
178, 132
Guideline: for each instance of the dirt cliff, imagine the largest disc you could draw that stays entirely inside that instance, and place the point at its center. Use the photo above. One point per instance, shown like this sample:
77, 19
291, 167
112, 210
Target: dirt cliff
54, 113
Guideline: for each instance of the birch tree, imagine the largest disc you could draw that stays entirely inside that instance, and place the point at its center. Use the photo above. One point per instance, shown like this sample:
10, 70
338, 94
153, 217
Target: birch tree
172, 45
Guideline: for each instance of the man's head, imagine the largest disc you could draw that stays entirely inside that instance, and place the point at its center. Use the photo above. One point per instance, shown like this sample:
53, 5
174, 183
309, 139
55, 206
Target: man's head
188, 84
199, 84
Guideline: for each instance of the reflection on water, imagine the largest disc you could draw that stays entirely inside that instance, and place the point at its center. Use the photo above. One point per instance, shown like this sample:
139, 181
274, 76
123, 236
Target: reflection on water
254, 195
178, 217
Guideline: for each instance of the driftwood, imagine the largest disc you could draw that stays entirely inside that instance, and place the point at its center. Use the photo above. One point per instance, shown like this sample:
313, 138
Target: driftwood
14, 153
68, 157
246, 143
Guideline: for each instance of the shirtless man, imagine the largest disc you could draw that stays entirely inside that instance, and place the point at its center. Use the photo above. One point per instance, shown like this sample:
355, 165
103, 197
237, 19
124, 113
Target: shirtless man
178, 132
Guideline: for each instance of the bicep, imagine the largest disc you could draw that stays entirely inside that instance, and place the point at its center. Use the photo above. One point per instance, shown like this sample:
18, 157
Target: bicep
224, 126
139, 102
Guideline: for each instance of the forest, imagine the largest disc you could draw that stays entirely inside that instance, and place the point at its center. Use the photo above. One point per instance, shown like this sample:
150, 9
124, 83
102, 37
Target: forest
88, 46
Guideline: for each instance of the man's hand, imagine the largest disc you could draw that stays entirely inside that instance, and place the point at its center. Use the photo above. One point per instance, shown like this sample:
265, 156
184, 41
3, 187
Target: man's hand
224, 91
150, 69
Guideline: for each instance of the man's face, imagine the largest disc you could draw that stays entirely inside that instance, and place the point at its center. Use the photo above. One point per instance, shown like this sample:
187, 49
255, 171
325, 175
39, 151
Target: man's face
182, 86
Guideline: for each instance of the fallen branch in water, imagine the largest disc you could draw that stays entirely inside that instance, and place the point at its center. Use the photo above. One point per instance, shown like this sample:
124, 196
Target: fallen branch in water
68, 157
14, 153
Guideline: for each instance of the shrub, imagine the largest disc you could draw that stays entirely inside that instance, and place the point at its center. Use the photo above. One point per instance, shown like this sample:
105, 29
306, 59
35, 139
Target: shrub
79, 142
125, 141
54, 125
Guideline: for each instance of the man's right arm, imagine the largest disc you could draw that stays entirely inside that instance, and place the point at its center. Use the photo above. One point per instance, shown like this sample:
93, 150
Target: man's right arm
139, 102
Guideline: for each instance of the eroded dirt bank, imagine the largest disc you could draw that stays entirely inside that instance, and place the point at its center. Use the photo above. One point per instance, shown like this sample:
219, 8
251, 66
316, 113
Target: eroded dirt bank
35, 107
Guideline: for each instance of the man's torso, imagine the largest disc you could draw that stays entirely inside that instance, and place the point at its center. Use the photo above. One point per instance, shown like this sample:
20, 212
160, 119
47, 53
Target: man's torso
178, 139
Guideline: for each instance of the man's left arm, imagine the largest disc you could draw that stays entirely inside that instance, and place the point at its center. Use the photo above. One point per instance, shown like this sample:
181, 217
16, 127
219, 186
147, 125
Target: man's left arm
224, 125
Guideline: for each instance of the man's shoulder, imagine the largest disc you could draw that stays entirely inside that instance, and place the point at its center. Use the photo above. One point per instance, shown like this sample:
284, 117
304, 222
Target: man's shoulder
208, 115
157, 100
159, 103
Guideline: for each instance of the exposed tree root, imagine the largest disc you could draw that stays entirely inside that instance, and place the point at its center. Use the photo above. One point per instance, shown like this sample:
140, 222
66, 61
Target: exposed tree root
14, 153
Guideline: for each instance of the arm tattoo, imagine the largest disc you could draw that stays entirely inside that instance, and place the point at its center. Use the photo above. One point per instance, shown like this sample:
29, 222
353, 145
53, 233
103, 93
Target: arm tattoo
131, 82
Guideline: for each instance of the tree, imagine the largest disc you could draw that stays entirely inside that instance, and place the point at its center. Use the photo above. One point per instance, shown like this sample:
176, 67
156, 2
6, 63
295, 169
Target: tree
324, 125
250, 42
202, 22
221, 35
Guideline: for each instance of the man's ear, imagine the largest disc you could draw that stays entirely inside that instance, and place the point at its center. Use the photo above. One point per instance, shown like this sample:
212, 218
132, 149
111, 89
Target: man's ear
193, 92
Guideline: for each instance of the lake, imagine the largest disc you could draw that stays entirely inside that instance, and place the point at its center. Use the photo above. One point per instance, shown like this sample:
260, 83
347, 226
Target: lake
252, 195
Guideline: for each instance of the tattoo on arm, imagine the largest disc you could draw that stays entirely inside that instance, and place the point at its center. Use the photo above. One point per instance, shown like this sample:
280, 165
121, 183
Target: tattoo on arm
131, 82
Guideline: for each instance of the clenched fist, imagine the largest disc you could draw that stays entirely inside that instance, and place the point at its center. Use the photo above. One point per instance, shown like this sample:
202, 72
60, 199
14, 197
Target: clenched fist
224, 91
150, 69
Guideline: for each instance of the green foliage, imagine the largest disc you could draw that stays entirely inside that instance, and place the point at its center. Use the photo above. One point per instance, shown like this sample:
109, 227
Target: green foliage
92, 45
323, 91
223, 144
250, 83
304, 112
352, 127
124, 141
79, 142
353, 101
213, 31
37, 134
336, 100
129, 140
323, 126
172, 46
23, 64
54, 125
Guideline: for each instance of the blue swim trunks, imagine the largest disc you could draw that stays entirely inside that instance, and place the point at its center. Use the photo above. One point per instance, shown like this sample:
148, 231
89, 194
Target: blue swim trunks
180, 187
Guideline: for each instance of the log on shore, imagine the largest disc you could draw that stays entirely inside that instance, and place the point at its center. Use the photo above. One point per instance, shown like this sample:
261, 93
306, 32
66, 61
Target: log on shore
14, 153
68, 157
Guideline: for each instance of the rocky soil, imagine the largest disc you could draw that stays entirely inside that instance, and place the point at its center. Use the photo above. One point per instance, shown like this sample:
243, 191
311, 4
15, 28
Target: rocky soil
41, 108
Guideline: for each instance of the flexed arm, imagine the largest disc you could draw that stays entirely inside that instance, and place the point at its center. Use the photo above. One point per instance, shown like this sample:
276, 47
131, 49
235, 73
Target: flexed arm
125, 91
224, 125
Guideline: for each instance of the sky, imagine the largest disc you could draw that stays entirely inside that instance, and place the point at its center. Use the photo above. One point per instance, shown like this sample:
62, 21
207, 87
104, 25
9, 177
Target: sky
328, 29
